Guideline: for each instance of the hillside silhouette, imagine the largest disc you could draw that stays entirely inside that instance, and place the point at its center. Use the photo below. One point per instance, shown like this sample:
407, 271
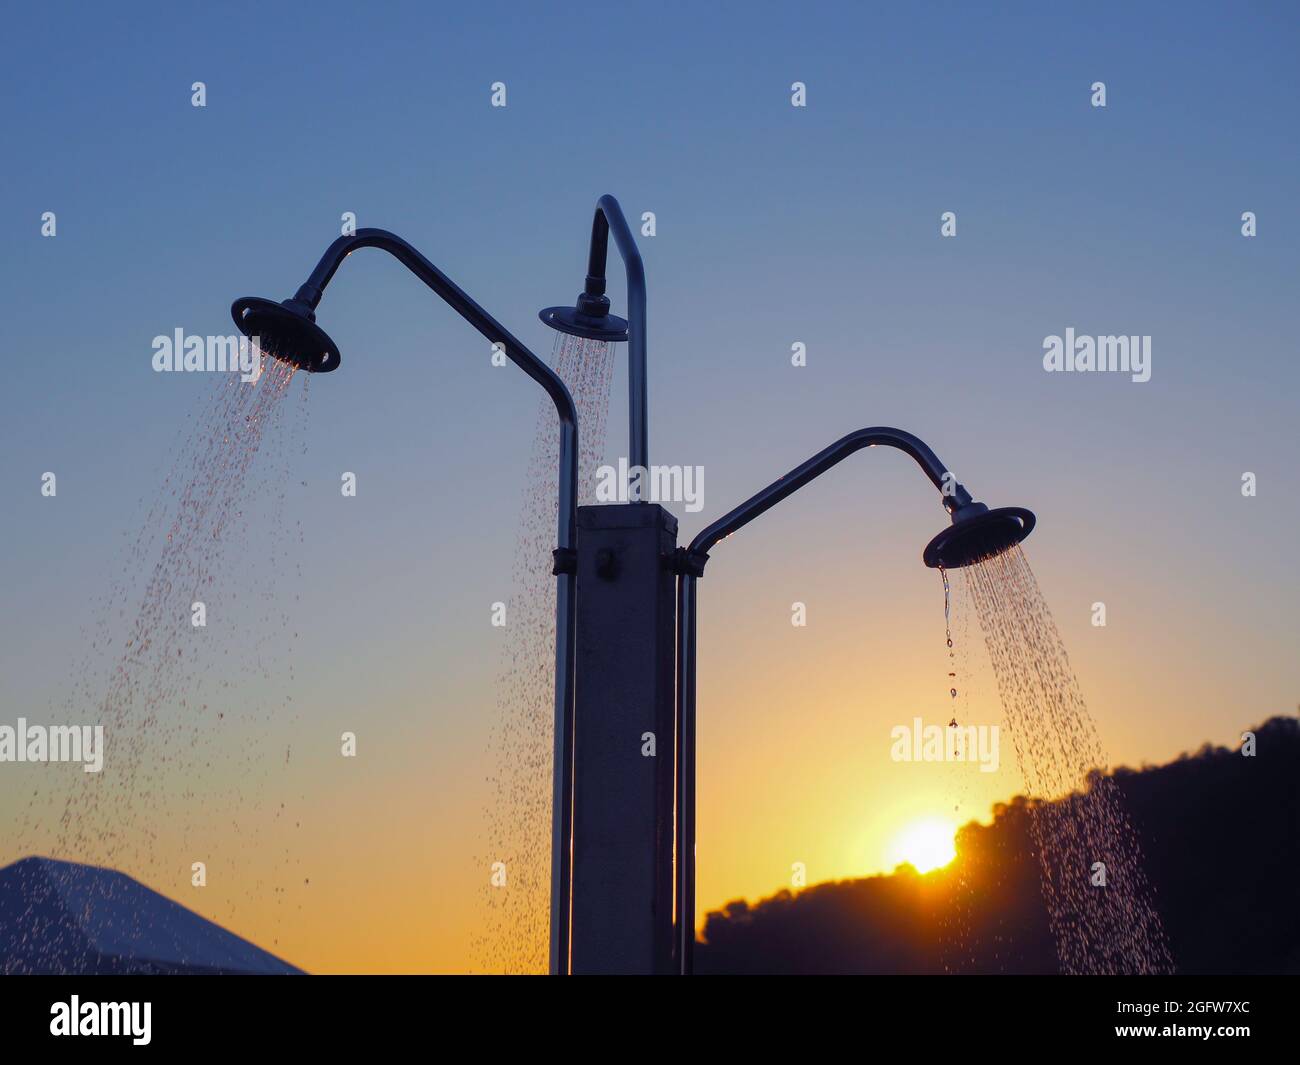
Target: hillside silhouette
1220, 834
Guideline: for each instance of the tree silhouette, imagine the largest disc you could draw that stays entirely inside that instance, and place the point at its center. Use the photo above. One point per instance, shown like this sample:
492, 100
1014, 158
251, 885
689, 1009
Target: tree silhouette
1220, 834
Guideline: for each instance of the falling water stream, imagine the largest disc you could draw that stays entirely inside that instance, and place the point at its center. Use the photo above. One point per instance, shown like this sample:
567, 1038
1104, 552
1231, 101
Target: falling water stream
956, 935
186, 743
1099, 904
514, 935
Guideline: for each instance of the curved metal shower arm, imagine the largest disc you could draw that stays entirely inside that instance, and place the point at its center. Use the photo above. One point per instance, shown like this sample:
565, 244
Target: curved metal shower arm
565, 557
452, 294
691, 562
760, 502
608, 219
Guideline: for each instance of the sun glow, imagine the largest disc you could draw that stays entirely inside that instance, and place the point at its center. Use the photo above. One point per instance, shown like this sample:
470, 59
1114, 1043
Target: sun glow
925, 845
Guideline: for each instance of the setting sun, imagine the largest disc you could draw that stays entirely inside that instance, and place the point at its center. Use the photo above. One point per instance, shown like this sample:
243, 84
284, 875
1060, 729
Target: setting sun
925, 845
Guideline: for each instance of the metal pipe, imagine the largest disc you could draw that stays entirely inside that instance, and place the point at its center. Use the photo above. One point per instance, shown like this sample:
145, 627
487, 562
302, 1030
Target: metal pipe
609, 219
566, 623
691, 564
566, 538
452, 294
954, 495
684, 917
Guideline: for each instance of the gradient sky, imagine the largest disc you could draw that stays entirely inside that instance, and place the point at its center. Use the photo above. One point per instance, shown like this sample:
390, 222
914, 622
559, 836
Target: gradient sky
775, 225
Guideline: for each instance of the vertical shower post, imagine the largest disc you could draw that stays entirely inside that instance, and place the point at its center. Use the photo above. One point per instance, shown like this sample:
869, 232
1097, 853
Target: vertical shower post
624, 742
613, 887
684, 756
565, 693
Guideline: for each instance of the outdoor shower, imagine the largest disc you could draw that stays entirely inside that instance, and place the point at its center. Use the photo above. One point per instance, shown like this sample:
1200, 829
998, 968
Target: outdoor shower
975, 533
623, 823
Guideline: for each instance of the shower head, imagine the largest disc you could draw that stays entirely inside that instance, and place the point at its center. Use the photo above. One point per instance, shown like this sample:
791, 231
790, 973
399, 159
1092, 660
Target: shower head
287, 331
977, 533
590, 318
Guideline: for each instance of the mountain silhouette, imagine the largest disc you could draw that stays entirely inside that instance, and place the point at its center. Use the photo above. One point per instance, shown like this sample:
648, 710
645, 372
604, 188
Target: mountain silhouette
63, 917
1220, 836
